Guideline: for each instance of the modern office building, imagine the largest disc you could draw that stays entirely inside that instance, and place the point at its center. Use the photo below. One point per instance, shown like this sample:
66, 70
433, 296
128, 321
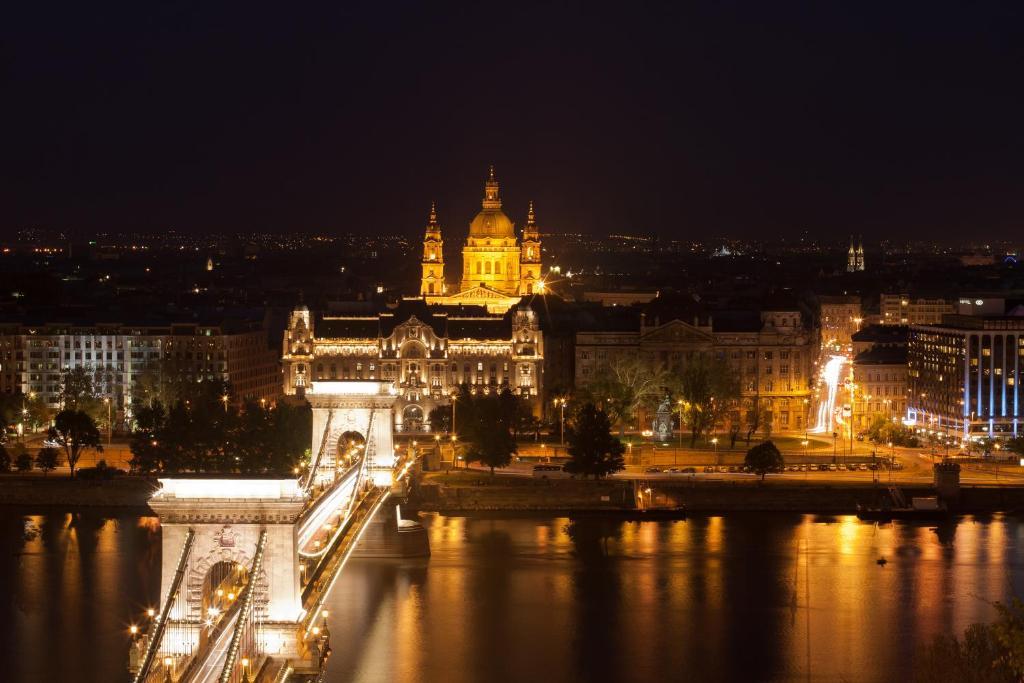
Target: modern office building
964, 375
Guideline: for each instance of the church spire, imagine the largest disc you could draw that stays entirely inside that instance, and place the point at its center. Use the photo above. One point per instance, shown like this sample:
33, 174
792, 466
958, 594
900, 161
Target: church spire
432, 281
529, 259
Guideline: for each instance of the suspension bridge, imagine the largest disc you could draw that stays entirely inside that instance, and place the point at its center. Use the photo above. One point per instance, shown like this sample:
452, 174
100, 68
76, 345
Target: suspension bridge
249, 562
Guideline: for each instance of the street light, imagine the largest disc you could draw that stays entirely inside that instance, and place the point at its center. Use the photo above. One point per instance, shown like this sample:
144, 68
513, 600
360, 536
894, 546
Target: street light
560, 403
110, 426
680, 402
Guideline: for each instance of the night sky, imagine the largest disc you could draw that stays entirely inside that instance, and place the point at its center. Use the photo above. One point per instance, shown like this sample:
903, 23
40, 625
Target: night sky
744, 118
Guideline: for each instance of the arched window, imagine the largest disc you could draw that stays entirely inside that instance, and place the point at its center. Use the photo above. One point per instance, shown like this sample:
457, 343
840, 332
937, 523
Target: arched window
479, 267
497, 267
487, 268
430, 288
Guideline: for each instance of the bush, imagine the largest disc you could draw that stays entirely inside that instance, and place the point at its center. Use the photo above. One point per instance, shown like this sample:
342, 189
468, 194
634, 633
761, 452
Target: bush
47, 459
23, 461
5, 460
102, 471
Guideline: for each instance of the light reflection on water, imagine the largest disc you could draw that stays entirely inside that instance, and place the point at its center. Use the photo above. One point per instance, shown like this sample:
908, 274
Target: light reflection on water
751, 597
722, 598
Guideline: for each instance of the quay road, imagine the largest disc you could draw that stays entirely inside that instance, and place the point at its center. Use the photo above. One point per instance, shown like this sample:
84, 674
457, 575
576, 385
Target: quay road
915, 468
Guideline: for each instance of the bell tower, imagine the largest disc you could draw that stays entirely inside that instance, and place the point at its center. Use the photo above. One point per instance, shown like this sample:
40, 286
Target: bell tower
432, 282
529, 260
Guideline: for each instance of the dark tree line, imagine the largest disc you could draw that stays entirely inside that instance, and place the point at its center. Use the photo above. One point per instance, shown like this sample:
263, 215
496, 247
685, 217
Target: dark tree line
206, 433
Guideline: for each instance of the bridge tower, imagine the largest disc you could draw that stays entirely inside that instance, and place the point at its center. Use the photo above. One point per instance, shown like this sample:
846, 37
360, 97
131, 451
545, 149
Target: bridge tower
343, 410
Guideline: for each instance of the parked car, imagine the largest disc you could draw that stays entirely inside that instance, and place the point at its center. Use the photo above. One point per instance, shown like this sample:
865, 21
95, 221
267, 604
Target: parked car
689, 470
709, 468
653, 470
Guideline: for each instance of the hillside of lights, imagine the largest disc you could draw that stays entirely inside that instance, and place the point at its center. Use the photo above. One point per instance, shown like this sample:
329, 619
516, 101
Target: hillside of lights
830, 375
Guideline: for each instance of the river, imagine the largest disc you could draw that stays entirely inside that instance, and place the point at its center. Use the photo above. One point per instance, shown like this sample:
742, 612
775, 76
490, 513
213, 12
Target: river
504, 598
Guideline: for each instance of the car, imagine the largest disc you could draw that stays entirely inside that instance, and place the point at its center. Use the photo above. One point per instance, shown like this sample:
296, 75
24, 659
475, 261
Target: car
689, 470
833, 468
653, 470
841, 467
674, 470
723, 469
51, 443
863, 467
872, 466
733, 469
709, 468
551, 472
823, 468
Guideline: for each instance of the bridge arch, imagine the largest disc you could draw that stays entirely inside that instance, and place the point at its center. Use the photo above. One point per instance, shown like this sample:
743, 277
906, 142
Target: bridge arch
208, 570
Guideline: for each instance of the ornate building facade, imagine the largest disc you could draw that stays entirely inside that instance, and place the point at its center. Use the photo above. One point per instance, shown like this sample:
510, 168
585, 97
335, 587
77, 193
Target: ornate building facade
771, 352
425, 351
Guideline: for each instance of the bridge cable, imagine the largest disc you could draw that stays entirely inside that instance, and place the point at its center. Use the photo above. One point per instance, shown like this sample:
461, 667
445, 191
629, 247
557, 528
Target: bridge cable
315, 465
243, 616
153, 646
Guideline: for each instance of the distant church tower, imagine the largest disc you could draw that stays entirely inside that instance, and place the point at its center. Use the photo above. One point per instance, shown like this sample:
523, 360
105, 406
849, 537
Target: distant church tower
855, 257
529, 261
433, 257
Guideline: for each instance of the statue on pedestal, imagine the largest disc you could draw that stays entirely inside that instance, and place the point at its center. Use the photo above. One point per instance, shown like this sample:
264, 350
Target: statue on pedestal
662, 425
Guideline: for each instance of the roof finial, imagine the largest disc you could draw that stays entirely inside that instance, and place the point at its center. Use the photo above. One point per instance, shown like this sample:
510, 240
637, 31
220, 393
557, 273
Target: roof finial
490, 174
433, 212
530, 217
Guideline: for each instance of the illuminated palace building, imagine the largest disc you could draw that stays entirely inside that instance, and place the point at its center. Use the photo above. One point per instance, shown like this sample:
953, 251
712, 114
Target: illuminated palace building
964, 375
481, 332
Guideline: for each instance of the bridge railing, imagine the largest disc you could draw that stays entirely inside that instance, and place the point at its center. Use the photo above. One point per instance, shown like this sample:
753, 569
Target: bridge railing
154, 640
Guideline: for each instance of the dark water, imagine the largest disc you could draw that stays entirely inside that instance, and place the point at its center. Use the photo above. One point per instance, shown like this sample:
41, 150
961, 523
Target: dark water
747, 598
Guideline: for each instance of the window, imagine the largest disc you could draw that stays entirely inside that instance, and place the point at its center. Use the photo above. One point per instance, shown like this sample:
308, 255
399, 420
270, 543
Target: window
497, 267
479, 267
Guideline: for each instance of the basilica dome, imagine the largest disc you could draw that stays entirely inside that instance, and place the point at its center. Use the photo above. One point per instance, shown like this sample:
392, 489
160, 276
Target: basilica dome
491, 222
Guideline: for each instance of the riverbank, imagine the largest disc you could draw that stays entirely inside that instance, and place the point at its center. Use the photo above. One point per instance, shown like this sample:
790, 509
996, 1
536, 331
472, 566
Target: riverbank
62, 491
472, 492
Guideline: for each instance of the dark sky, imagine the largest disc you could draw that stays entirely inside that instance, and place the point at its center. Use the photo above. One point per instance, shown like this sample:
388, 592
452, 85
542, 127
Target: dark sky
746, 118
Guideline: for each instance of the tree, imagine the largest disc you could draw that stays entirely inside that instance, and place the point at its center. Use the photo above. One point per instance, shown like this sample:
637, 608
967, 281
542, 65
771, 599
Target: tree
76, 393
708, 388
76, 432
764, 458
485, 425
623, 387
592, 448
758, 416
883, 431
987, 653
208, 434
440, 419
22, 459
47, 459
5, 459
37, 412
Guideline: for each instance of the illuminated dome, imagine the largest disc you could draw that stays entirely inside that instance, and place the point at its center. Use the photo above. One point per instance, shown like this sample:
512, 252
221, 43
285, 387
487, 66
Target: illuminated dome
491, 222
